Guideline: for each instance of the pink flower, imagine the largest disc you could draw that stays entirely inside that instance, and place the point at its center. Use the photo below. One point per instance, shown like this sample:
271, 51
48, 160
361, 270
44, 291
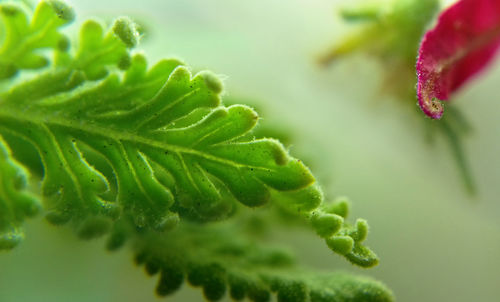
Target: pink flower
464, 41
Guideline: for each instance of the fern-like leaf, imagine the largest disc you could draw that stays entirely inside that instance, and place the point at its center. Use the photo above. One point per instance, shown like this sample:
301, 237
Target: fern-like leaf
151, 144
24, 37
135, 151
230, 265
16, 202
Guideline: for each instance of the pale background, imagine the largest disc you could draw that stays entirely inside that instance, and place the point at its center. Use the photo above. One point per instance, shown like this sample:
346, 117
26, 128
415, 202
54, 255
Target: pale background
435, 242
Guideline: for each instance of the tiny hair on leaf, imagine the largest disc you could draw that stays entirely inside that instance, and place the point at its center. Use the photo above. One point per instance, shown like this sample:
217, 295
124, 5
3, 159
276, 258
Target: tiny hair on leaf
96, 138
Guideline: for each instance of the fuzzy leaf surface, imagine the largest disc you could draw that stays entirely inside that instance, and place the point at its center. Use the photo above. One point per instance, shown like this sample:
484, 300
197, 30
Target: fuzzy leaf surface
16, 202
230, 265
113, 139
24, 37
134, 151
131, 123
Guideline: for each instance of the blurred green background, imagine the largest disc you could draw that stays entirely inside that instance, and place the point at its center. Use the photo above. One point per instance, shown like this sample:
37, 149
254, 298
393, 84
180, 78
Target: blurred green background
436, 243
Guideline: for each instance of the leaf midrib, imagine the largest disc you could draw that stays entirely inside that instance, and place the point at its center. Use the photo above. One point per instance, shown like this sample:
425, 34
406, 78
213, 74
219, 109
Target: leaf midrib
112, 134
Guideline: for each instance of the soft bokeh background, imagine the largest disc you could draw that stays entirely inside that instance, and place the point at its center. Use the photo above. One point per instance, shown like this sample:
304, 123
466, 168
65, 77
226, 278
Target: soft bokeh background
436, 243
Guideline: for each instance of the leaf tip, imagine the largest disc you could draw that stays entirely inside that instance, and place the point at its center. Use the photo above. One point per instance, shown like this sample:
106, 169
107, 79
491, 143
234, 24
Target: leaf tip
212, 81
126, 30
339, 207
340, 244
326, 224
62, 10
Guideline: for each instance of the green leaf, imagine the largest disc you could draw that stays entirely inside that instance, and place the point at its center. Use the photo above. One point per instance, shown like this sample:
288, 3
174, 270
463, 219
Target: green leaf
131, 124
98, 51
328, 219
79, 111
230, 265
136, 151
25, 36
149, 144
16, 203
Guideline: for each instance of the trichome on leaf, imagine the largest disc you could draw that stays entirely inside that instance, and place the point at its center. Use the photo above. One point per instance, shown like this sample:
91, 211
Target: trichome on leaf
98, 140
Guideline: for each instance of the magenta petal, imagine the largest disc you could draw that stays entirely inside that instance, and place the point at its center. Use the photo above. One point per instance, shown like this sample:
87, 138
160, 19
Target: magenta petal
464, 41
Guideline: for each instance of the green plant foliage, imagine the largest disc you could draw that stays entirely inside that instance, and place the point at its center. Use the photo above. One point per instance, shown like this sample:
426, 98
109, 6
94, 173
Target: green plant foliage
16, 202
230, 265
152, 156
23, 37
